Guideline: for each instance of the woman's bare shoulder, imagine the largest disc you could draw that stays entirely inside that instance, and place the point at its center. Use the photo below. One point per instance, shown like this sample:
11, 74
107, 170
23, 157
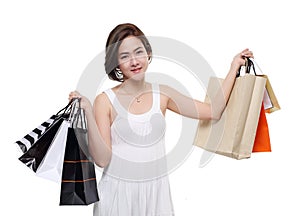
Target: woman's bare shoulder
166, 90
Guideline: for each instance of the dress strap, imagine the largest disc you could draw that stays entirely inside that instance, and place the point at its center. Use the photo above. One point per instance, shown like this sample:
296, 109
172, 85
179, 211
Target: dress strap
114, 100
156, 96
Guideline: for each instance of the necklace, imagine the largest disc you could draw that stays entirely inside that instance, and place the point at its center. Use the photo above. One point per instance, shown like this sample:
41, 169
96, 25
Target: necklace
138, 98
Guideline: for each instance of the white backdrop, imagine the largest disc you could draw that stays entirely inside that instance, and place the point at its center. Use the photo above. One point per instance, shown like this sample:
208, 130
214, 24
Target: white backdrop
46, 45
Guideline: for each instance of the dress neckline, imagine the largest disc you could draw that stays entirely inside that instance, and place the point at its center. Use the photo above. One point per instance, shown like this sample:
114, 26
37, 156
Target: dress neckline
120, 108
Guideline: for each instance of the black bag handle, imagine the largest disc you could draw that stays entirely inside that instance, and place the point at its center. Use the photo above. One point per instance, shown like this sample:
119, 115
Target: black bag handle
248, 65
66, 109
79, 125
79, 117
73, 113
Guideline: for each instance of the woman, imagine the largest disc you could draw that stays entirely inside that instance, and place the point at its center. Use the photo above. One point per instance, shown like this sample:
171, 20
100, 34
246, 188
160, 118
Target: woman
126, 126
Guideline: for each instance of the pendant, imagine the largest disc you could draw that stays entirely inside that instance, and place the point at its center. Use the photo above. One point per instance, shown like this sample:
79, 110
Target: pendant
138, 100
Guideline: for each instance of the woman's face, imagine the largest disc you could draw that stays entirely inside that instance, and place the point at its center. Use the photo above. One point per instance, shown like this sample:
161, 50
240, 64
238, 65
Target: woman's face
132, 58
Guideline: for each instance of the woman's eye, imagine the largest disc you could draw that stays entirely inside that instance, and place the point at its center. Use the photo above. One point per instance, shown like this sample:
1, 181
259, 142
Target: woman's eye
124, 57
140, 52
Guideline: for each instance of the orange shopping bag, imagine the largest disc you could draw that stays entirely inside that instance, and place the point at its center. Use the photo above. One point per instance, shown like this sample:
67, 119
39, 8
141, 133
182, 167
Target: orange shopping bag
262, 139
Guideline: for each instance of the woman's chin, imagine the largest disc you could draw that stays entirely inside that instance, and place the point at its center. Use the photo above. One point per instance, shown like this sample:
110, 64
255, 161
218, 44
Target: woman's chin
138, 76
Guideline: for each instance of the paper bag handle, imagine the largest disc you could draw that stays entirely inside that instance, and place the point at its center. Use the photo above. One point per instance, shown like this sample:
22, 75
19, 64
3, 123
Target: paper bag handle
65, 112
248, 65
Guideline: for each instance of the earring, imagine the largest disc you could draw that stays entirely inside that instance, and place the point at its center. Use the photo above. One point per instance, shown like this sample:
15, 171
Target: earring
149, 59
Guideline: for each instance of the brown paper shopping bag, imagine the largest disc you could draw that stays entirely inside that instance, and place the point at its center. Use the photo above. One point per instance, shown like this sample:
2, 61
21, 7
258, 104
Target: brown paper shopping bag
233, 135
270, 101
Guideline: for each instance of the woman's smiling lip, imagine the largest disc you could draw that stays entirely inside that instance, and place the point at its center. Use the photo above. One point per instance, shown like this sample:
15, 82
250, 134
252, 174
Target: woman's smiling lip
136, 70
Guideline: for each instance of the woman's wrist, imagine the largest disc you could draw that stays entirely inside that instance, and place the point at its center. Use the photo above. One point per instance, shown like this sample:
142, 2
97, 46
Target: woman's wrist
234, 68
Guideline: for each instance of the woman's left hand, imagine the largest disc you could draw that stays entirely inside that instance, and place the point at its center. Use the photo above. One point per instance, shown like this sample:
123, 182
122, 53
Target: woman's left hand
240, 59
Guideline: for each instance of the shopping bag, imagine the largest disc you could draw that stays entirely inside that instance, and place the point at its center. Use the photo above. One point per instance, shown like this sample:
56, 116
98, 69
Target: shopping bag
78, 185
34, 154
29, 139
51, 166
262, 139
270, 101
234, 134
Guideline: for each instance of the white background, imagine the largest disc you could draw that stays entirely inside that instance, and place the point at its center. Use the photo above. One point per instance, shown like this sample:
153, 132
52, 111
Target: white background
45, 46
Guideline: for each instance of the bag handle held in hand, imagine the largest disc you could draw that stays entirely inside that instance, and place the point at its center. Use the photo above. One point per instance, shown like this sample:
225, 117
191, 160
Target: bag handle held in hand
75, 105
66, 108
248, 65
79, 118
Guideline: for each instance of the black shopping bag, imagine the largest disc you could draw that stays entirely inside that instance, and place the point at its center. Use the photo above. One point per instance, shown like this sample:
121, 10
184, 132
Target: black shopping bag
79, 184
41, 138
30, 139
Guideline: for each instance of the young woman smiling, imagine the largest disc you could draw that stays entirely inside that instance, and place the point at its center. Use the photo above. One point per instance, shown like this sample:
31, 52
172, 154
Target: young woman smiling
126, 127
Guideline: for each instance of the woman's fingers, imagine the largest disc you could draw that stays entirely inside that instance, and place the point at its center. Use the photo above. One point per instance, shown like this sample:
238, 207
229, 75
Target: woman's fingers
240, 58
74, 94
247, 53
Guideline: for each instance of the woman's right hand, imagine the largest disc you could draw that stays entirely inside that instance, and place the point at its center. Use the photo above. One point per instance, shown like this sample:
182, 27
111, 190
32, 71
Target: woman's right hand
85, 104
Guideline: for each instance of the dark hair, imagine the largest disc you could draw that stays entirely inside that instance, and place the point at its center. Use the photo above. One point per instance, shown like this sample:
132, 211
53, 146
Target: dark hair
114, 40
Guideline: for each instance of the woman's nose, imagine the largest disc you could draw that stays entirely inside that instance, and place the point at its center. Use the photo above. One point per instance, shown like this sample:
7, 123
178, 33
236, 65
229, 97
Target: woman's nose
133, 61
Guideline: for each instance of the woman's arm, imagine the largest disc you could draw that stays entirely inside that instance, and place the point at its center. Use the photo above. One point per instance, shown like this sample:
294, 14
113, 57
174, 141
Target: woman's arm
98, 123
189, 107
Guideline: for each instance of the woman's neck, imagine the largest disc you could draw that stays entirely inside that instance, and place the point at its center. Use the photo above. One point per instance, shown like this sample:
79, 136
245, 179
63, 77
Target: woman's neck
133, 87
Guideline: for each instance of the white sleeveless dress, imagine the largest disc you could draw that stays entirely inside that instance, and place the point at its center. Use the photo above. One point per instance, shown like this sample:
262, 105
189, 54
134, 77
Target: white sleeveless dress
135, 183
